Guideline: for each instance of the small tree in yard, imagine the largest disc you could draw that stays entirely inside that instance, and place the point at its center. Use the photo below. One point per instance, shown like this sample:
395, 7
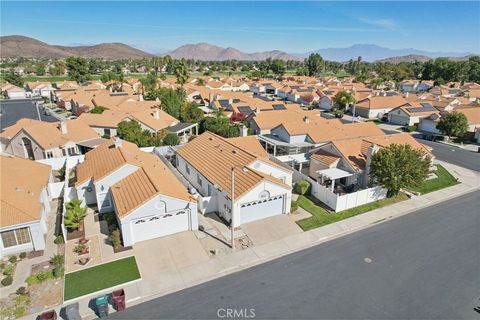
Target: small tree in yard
399, 166
302, 187
343, 99
75, 214
453, 124
171, 139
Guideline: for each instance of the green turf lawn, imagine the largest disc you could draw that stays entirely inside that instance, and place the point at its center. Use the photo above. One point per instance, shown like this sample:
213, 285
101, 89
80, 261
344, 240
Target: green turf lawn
321, 217
100, 277
444, 179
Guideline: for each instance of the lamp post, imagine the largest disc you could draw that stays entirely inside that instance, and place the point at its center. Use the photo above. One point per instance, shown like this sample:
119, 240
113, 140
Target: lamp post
232, 209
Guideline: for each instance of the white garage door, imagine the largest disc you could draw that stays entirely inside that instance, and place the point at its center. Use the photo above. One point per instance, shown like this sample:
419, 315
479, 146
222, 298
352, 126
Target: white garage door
160, 225
395, 119
261, 209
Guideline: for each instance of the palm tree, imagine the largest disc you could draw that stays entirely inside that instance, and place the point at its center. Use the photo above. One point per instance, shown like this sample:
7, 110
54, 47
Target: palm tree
343, 99
181, 72
75, 214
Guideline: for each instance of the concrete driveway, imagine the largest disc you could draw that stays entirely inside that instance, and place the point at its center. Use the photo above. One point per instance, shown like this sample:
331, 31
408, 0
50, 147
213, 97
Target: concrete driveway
271, 229
159, 260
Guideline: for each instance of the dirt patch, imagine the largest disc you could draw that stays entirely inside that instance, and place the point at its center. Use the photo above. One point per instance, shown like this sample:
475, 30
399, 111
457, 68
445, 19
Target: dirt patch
76, 234
46, 295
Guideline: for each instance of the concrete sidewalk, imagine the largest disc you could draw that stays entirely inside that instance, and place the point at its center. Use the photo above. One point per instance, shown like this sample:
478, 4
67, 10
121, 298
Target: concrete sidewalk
209, 269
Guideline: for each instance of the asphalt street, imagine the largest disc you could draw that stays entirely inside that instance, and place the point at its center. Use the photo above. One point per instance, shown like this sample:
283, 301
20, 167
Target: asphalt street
458, 156
425, 265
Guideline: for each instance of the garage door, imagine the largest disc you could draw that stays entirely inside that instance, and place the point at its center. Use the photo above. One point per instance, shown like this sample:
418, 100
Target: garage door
160, 225
261, 209
398, 120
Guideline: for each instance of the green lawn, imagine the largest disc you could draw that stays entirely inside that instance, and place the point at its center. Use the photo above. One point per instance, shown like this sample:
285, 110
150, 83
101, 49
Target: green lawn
100, 277
321, 217
444, 179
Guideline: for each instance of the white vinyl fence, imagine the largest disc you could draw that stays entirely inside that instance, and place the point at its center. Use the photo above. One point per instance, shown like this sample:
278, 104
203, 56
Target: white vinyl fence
341, 202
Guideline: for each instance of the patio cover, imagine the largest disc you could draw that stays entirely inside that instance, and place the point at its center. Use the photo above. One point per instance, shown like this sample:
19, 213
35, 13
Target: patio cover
334, 173
91, 143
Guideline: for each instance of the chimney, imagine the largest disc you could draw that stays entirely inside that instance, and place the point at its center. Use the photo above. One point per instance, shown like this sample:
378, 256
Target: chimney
243, 131
118, 142
156, 113
306, 119
257, 110
63, 127
140, 97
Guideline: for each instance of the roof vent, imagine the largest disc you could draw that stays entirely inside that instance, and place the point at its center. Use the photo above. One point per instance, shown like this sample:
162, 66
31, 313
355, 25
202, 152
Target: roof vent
18, 189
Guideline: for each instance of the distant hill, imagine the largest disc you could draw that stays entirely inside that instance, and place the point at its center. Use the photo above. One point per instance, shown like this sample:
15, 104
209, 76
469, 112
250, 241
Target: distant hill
371, 52
21, 46
205, 51
408, 58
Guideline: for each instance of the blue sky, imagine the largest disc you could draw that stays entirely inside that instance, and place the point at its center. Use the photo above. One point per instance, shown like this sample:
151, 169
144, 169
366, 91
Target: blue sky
250, 26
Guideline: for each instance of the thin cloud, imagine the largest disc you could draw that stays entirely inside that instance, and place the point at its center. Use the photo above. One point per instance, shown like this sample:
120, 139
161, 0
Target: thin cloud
389, 24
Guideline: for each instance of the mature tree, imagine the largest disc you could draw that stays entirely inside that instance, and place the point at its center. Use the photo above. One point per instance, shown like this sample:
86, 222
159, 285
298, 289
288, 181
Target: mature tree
190, 112
343, 99
40, 69
220, 126
171, 139
181, 71
132, 131
75, 214
278, 67
453, 124
149, 82
98, 110
314, 64
200, 82
59, 66
77, 68
14, 78
399, 166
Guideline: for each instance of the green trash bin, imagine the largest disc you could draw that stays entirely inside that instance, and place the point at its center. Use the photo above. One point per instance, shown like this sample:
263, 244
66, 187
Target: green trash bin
102, 306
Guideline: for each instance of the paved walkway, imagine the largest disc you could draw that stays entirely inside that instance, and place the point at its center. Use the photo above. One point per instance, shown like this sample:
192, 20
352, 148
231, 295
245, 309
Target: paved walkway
189, 264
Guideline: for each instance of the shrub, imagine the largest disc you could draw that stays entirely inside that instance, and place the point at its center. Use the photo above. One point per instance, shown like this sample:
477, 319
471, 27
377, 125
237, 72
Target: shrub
8, 280
59, 240
115, 238
39, 277
13, 259
302, 187
57, 260
8, 271
21, 291
409, 128
23, 255
2, 265
294, 206
58, 271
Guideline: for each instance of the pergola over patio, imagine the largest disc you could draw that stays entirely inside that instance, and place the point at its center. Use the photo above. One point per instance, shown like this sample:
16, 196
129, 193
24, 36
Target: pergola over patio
333, 174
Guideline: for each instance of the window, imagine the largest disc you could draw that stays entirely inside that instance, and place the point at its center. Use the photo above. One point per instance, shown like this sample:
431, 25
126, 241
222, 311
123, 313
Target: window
187, 168
106, 132
199, 180
49, 154
71, 151
15, 237
64, 153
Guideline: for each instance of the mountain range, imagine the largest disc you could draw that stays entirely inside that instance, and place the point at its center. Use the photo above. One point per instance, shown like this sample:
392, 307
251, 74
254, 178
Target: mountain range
21, 46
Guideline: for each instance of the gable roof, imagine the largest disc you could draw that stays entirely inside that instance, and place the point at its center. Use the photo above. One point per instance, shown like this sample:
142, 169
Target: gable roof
48, 134
22, 182
214, 157
251, 144
381, 102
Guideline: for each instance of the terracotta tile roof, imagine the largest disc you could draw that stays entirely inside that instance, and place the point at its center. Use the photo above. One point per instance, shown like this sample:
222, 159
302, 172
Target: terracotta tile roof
214, 156
325, 157
355, 150
270, 119
381, 102
48, 134
472, 114
21, 184
332, 130
251, 144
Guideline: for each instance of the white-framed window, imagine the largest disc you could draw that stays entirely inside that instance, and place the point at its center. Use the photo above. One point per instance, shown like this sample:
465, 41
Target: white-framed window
49, 154
16, 237
71, 151
199, 180
64, 153
187, 168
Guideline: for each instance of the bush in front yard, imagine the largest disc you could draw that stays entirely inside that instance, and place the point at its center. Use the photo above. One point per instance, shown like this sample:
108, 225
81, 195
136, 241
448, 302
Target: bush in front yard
23, 255
302, 187
59, 240
7, 281
13, 259
294, 206
115, 238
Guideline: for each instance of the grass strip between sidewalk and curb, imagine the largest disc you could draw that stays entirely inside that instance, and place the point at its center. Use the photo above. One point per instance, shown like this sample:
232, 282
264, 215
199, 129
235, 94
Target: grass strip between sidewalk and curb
321, 217
100, 277
444, 179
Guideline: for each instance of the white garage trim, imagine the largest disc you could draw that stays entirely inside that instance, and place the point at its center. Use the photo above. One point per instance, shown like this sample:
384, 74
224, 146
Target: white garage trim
261, 209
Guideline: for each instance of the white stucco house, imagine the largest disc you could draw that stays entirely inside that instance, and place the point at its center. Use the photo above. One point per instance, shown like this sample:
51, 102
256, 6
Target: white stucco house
39, 89
262, 188
148, 200
11, 91
25, 203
